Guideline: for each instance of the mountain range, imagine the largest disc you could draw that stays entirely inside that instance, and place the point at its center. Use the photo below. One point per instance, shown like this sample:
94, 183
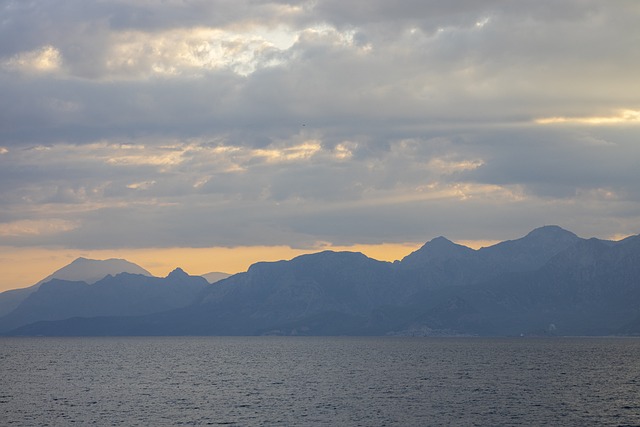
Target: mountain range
549, 282
81, 269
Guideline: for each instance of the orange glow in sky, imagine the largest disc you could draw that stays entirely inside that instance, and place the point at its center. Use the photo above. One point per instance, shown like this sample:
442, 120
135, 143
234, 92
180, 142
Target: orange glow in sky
160, 261
42, 262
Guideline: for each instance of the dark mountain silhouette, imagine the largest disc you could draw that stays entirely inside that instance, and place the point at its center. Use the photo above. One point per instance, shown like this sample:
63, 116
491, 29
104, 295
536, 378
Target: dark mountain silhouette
81, 269
531, 251
441, 262
122, 295
550, 282
591, 288
436, 251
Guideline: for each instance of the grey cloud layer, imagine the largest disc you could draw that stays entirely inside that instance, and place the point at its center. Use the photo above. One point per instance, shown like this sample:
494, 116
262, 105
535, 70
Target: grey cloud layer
237, 123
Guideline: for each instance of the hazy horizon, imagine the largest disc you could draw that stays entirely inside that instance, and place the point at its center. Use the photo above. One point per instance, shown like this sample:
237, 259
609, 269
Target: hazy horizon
201, 261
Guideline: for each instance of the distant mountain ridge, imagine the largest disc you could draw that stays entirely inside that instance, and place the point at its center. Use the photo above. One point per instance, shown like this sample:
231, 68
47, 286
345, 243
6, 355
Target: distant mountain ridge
124, 294
91, 270
532, 250
549, 282
81, 269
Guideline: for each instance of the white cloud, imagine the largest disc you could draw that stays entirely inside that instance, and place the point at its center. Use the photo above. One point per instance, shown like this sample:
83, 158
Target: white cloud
344, 150
46, 59
144, 185
299, 152
193, 51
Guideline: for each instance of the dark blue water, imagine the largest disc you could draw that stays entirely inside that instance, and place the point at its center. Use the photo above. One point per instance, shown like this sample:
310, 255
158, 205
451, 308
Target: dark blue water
319, 381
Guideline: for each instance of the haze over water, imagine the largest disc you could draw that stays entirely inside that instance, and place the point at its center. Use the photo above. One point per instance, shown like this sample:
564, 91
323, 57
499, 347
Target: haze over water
319, 381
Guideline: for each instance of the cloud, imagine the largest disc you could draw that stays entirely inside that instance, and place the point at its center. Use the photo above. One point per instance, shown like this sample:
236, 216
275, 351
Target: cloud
423, 65
624, 116
291, 123
46, 59
46, 227
298, 192
194, 51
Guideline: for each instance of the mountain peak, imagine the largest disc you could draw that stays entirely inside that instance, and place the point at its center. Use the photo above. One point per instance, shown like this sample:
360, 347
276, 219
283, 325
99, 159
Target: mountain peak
533, 250
176, 273
440, 241
550, 231
92, 270
439, 249
83, 260
443, 245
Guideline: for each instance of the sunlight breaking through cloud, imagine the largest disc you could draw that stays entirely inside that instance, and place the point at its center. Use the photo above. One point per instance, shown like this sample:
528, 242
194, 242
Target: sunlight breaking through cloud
46, 59
297, 152
623, 116
194, 51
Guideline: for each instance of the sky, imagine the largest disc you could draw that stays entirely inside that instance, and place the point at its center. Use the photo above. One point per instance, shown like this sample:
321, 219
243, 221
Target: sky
213, 134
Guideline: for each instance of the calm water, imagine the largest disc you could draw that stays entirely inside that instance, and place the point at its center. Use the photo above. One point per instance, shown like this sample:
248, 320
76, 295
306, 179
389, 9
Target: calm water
319, 381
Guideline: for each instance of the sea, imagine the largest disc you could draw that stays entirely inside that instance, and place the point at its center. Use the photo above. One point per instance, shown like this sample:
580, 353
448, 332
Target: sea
327, 381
